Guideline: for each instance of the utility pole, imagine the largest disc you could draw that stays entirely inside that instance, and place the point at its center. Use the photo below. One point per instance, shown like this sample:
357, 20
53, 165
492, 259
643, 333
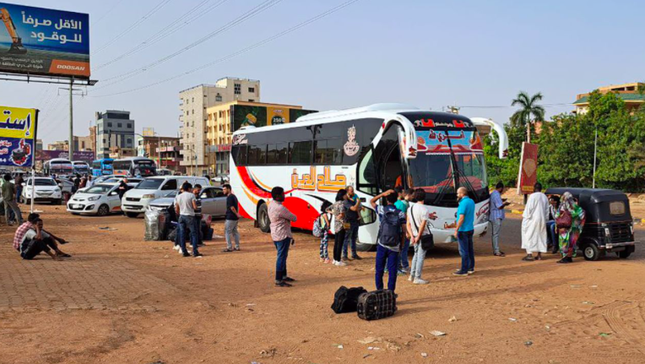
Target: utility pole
595, 147
70, 142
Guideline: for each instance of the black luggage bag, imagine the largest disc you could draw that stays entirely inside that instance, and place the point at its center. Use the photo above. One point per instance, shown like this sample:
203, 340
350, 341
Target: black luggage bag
376, 304
346, 299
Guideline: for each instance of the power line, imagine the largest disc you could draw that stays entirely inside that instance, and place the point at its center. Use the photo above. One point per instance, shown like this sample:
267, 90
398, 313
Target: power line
134, 25
508, 106
106, 13
171, 28
242, 51
246, 16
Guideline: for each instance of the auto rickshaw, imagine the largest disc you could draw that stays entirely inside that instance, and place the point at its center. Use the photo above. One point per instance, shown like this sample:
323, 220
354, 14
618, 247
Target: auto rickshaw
609, 225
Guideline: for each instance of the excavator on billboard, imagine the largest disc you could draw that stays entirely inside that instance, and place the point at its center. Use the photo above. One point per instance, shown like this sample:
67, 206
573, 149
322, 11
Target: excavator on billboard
16, 45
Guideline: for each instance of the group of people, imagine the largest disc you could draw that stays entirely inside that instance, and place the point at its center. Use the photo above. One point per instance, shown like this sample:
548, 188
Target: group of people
187, 208
554, 222
403, 223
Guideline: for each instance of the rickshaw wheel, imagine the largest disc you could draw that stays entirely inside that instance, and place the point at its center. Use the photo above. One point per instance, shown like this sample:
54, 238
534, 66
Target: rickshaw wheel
591, 252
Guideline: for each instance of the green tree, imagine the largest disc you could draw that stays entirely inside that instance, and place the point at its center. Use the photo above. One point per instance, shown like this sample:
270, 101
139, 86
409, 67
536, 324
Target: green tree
566, 152
529, 111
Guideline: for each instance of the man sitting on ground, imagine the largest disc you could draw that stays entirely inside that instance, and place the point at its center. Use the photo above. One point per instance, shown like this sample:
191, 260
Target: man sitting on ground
31, 239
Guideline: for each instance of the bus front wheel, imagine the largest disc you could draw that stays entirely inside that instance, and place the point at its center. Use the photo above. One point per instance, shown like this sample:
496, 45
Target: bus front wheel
263, 218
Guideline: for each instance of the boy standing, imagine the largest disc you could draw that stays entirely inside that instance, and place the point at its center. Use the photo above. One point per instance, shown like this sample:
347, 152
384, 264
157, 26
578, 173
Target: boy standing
391, 238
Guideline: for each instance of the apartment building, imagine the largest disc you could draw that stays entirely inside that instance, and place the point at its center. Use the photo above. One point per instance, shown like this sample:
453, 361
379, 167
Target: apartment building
193, 117
114, 128
629, 92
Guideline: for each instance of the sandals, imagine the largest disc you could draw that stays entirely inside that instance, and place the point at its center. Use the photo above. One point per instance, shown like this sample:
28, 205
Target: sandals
528, 258
499, 254
227, 250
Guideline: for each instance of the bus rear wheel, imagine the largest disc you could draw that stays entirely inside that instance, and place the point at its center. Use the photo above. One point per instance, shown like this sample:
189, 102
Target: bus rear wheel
263, 218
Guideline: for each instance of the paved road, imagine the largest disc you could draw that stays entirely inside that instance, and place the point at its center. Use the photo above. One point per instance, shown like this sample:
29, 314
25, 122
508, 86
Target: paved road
511, 238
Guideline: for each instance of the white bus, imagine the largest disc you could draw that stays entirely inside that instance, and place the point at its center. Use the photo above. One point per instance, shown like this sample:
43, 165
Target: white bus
58, 166
135, 167
373, 148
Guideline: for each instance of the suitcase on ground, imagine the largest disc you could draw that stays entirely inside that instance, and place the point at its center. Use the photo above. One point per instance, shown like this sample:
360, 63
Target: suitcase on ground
346, 299
376, 305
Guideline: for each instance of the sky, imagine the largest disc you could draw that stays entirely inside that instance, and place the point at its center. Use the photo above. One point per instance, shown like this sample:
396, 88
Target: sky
474, 54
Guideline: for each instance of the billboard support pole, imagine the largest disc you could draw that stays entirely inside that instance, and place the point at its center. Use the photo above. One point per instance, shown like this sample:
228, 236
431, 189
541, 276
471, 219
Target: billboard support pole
71, 120
33, 189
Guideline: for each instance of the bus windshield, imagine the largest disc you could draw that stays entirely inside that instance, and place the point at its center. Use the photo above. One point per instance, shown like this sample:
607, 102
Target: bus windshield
433, 169
432, 172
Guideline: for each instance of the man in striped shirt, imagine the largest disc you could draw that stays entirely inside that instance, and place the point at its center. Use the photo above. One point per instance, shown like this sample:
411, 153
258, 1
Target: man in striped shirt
497, 215
281, 219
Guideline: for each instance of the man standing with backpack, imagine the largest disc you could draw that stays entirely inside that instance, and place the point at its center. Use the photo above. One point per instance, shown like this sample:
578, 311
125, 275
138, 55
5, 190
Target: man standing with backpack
390, 239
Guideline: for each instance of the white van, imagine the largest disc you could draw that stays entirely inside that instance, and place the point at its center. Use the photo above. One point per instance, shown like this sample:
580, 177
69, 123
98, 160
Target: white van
136, 200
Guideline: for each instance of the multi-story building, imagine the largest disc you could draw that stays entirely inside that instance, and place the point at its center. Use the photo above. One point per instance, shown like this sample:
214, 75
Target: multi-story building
193, 118
59, 145
118, 153
114, 129
163, 150
39, 144
226, 118
80, 144
83, 143
93, 137
629, 92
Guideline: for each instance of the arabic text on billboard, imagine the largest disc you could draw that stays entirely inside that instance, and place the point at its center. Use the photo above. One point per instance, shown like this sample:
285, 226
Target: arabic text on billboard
44, 41
17, 135
79, 155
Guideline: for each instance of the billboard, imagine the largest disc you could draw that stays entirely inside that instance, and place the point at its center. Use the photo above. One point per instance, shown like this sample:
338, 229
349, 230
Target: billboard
528, 169
44, 41
45, 155
17, 136
245, 115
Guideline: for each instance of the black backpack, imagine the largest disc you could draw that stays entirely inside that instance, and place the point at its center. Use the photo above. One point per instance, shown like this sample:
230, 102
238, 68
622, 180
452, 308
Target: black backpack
390, 229
346, 299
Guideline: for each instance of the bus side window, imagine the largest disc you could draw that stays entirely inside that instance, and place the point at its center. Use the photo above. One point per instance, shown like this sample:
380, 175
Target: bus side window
301, 153
240, 155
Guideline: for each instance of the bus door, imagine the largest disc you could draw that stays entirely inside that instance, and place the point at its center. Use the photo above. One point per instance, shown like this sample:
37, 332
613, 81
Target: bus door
390, 166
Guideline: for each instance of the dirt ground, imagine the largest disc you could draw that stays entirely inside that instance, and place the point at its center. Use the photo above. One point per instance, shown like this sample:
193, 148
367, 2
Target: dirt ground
124, 300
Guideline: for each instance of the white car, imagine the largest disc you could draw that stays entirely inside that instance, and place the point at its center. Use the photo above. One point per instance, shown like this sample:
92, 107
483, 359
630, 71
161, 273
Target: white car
101, 199
45, 189
137, 200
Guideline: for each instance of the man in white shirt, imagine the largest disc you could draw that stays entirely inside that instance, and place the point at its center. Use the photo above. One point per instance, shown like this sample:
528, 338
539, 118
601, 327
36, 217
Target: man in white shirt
185, 206
534, 220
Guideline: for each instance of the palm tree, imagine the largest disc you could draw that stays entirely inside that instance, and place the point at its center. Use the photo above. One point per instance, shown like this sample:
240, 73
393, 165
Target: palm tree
528, 109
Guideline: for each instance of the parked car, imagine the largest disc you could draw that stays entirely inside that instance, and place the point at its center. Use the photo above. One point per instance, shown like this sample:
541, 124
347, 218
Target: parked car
101, 199
45, 190
609, 224
212, 200
136, 200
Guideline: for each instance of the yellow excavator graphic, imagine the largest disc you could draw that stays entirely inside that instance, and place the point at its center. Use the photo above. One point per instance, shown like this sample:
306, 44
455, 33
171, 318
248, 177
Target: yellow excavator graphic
16, 45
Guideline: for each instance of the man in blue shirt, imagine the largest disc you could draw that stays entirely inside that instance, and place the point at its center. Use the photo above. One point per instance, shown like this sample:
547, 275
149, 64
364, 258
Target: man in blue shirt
464, 232
497, 215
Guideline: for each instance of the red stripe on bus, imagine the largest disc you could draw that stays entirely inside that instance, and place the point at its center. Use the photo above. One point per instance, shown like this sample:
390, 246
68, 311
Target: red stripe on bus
251, 185
306, 213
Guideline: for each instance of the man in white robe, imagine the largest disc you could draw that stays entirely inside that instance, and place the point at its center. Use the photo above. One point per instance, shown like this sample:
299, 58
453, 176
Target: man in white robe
534, 238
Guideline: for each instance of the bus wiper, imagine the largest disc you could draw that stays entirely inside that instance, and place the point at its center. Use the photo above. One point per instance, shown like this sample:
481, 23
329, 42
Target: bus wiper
457, 172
